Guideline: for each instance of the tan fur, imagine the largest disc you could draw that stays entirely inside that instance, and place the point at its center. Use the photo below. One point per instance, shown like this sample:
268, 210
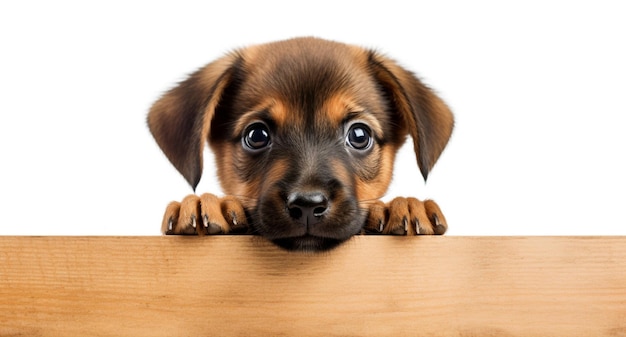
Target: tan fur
374, 189
306, 94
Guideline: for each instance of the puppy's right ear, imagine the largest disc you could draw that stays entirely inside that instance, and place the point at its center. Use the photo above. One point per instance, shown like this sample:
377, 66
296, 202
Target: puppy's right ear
180, 120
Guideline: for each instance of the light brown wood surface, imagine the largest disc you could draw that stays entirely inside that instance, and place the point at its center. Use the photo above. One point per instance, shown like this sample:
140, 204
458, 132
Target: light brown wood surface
370, 286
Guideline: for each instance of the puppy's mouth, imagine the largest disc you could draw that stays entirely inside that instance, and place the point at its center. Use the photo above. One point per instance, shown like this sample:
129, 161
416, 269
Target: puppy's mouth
296, 236
312, 219
303, 235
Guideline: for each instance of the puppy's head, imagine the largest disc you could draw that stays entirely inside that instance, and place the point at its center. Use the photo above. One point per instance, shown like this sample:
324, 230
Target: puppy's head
304, 132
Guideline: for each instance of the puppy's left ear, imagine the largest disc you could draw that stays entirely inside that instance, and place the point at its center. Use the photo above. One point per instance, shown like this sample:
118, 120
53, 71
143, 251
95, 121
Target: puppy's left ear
423, 114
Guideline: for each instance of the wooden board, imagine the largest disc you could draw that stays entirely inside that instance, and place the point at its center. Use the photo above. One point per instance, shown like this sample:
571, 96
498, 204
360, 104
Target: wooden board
370, 286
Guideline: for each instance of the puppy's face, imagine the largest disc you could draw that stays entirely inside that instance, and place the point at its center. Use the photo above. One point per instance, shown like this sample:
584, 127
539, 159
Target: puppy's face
304, 133
304, 138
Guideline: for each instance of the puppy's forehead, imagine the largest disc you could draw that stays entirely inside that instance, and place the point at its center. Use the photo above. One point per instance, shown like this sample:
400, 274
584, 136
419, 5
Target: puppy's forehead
303, 60
297, 80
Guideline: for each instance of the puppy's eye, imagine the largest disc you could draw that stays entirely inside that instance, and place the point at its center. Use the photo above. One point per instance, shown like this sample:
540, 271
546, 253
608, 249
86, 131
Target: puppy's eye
256, 137
359, 137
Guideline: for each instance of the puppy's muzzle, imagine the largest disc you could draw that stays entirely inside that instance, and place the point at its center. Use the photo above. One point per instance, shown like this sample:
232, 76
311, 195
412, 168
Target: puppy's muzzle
307, 208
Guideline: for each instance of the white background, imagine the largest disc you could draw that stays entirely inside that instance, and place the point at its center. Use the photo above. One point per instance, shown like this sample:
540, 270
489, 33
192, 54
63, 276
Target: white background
538, 89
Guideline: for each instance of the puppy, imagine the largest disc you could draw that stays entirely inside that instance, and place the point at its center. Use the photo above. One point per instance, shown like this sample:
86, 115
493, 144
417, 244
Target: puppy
304, 133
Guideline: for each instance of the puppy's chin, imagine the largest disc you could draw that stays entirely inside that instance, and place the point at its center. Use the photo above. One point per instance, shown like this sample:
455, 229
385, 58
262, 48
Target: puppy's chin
308, 243
316, 239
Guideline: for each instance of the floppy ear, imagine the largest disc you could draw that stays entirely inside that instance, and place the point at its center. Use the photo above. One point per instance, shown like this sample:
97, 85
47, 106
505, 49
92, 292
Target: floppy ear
180, 120
423, 114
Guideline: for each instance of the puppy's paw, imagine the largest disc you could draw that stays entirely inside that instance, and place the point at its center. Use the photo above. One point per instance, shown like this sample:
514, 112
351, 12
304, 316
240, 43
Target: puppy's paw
406, 216
204, 215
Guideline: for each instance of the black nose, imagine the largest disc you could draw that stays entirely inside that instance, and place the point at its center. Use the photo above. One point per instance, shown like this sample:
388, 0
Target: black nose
307, 207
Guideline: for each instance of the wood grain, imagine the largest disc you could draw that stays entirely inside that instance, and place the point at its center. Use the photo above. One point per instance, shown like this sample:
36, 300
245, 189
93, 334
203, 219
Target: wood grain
370, 286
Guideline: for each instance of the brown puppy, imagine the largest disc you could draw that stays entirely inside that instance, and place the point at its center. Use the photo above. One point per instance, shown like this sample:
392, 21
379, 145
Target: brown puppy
305, 133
